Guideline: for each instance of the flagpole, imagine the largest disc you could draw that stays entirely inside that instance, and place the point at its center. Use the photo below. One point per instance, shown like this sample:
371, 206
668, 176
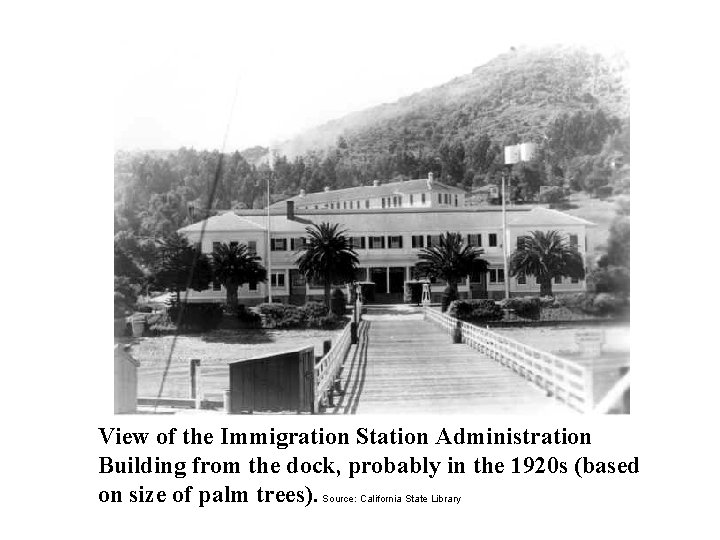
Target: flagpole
269, 249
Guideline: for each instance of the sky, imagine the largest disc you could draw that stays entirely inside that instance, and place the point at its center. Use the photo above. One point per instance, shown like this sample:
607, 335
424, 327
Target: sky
234, 75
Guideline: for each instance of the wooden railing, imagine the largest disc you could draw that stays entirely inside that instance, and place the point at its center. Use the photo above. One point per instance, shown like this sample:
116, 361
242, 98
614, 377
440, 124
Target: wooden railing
565, 380
326, 369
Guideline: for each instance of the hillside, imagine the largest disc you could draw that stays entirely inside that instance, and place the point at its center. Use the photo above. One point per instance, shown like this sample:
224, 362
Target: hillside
519, 93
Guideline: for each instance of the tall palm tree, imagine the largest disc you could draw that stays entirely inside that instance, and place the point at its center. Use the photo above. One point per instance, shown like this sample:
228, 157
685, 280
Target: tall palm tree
546, 255
234, 266
451, 260
327, 257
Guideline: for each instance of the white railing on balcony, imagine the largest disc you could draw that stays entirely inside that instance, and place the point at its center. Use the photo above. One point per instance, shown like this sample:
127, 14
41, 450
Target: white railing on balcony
565, 380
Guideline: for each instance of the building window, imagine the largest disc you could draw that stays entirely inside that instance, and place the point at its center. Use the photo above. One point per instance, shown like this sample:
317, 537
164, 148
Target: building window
574, 241
474, 240
252, 247
367, 203
433, 240
383, 202
492, 240
316, 207
418, 241
297, 243
252, 286
558, 280
447, 198
395, 242
422, 198
439, 198
277, 279
357, 242
400, 201
497, 275
456, 200
574, 280
520, 243
217, 285
377, 242
521, 279
411, 200
278, 244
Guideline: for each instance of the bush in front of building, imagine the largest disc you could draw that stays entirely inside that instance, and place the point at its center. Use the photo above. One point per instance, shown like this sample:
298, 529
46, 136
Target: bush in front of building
314, 310
200, 317
475, 310
601, 304
527, 307
609, 304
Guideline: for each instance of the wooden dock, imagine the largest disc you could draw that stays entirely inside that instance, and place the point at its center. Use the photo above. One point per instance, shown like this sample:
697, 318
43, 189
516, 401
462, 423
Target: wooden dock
405, 365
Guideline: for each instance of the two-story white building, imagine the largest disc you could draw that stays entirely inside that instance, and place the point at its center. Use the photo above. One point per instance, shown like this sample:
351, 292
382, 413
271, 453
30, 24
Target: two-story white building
387, 241
419, 193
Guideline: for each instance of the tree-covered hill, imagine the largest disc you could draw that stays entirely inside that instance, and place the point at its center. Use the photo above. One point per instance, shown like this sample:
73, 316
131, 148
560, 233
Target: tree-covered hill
519, 93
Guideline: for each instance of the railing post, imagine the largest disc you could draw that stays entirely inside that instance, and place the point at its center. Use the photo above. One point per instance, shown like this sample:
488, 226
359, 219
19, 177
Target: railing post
625, 402
195, 381
226, 400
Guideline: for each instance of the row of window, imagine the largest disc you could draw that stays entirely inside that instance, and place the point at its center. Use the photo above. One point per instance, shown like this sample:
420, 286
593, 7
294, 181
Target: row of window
417, 241
395, 201
393, 242
251, 246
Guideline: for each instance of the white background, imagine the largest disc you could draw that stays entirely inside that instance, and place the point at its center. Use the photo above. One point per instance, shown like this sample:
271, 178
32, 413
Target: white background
56, 101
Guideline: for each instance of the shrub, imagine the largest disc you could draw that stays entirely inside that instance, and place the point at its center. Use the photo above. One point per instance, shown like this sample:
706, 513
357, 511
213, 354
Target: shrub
293, 317
578, 302
601, 304
314, 310
549, 302
527, 307
613, 279
247, 318
197, 317
608, 304
338, 303
475, 310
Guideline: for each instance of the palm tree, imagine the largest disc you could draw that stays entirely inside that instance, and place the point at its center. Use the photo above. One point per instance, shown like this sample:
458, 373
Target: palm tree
235, 266
546, 255
452, 261
327, 257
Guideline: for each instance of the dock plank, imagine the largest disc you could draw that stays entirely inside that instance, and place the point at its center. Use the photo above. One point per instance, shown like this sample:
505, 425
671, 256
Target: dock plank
406, 365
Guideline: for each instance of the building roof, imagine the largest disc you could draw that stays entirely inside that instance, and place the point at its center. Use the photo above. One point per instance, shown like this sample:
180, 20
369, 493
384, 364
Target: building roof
228, 221
401, 220
370, 192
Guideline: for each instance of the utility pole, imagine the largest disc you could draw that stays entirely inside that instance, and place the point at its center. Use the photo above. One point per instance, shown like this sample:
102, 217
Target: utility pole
268, 247
513, 154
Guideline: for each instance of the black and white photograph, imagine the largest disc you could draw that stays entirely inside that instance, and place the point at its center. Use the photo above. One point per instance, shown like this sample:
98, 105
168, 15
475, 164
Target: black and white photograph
371, 268
369, 232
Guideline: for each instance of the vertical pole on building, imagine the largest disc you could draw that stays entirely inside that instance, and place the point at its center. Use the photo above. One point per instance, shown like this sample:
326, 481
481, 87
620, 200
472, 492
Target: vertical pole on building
504, 239
268, 247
